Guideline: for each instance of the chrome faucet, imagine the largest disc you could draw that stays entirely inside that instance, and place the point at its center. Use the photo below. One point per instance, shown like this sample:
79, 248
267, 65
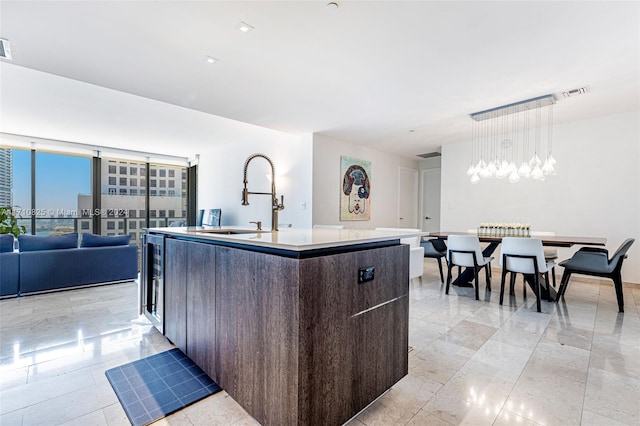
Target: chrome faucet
275, 205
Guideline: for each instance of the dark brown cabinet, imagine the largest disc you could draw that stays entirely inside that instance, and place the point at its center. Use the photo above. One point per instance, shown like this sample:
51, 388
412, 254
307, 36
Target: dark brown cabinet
201, 297
306, 329
293, 341
190, 300
175, 292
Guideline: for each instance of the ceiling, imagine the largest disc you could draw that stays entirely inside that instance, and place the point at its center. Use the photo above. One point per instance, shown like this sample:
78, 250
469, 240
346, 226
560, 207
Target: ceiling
401, 77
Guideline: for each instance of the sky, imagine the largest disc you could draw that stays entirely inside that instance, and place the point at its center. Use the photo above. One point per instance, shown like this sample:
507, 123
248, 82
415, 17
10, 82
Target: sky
59, 180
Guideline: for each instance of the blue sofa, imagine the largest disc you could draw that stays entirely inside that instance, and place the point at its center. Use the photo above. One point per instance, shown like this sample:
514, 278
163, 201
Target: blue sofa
57, 262
9, 267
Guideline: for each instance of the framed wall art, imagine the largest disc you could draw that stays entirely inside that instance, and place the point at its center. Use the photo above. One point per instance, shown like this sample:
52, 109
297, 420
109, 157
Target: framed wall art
355, 195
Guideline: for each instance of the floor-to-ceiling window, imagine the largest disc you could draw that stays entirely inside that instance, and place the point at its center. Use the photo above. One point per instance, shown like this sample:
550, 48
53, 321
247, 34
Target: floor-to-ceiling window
61, 182
123, 198
167, 195
18, 163
55, 193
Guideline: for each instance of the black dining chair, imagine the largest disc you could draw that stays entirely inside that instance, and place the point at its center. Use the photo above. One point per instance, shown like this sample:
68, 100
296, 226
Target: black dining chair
596, 262
435, 249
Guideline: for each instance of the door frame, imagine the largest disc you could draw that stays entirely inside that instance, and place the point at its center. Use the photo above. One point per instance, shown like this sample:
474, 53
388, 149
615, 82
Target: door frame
422, 194
415, 192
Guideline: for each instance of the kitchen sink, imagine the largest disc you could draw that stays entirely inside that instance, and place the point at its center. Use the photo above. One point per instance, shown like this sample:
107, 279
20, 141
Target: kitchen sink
228, 231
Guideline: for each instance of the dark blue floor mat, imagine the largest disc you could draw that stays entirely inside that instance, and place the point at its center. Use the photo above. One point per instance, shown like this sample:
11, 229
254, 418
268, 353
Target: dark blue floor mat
156, 386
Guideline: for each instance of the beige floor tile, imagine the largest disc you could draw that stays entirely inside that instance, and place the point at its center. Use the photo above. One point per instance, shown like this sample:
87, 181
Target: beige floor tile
470, 397
500, 360
423, 418
613, 396
591, 419
95, 418
509, 418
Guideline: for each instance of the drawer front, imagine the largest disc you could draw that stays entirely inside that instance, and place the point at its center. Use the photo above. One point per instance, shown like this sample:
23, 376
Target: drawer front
340, 277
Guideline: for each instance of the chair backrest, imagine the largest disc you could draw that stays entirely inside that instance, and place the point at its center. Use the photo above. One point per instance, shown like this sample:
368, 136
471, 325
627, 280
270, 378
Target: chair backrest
619, 255
522, 247
463, 243
212, 218
328, 226
412, 241
434, 247
439, 245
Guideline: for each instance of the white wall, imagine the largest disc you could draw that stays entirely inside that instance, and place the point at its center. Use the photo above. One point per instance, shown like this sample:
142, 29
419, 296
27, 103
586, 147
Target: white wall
220, 179
327, 183
595, 193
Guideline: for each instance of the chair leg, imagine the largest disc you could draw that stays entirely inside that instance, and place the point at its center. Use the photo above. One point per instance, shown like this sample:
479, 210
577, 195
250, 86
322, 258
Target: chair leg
446, 291
553, 276
504, 275
564, 282
524, 286
546, 276
475, 275
488, 274
512, 283
440, 268
537, 290
617, 283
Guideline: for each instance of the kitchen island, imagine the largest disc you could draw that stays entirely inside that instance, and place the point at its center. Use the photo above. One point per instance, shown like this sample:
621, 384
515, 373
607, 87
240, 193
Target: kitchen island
300, 327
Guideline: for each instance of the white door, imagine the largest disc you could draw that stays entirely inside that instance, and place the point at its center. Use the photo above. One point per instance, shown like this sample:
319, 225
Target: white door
408, 198
430, 212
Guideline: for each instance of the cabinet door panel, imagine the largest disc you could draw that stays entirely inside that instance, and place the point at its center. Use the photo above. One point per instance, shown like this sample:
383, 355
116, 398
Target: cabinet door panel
353, 339
201, 324
175, 292
380, 358
256, 315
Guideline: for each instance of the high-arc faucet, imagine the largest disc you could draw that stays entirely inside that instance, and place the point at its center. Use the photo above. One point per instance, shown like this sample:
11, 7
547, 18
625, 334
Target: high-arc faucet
275, 205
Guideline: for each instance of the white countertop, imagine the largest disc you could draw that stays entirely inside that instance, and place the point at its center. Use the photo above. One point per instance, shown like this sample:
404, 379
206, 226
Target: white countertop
290, 238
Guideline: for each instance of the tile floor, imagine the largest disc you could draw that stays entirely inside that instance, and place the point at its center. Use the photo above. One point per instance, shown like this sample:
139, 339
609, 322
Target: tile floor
471, 362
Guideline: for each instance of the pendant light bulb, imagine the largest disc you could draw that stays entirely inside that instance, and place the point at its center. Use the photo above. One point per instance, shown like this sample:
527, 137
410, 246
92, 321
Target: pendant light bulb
524, 170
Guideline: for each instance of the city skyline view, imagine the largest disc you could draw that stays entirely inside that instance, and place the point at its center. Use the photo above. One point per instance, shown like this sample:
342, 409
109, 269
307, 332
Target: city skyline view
64, 200
59, 181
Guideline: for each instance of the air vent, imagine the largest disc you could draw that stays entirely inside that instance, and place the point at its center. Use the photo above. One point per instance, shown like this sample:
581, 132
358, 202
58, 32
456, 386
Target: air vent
5, 49
429, 155
576, 92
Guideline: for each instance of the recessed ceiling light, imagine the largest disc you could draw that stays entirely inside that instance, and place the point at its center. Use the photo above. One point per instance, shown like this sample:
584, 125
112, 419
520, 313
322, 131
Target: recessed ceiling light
210, 60
332, 5
243, 27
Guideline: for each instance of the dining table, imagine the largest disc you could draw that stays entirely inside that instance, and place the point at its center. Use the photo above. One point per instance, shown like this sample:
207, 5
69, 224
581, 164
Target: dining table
547, 292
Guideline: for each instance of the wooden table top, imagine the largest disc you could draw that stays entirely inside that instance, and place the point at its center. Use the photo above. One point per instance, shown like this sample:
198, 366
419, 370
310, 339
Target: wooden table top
556, 241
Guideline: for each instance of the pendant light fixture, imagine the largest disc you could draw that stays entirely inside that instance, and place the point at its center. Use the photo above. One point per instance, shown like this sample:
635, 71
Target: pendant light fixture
512, 140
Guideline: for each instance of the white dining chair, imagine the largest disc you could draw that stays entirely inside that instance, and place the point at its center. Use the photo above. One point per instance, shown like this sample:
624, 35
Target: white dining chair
524, 256
416, 251
465, 251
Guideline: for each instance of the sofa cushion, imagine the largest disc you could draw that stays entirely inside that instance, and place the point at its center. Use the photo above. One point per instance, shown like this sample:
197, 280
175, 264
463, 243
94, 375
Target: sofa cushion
37, 243
6, 243
91, 240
